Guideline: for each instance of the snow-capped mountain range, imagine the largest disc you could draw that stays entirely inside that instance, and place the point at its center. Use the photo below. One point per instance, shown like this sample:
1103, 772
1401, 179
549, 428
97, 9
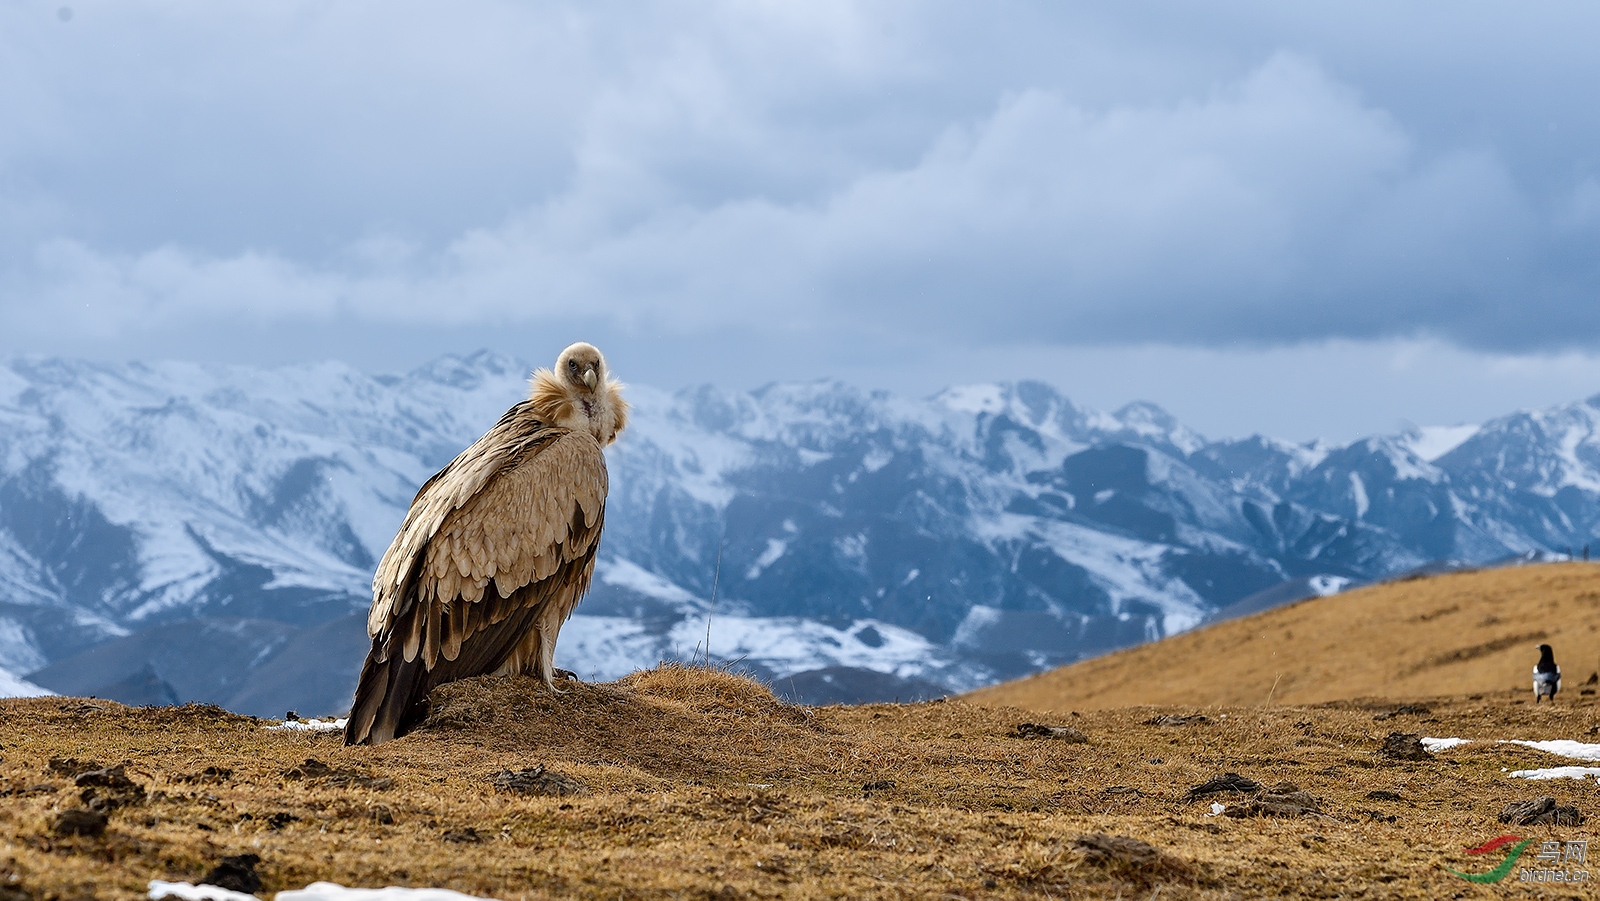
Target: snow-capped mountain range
174, 531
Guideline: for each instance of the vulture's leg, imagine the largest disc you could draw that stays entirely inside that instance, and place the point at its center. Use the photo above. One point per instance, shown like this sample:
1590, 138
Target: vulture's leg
566, 674
547, 659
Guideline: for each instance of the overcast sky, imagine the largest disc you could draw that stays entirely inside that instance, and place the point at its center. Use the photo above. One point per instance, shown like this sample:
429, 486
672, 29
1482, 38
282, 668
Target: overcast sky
1299, 219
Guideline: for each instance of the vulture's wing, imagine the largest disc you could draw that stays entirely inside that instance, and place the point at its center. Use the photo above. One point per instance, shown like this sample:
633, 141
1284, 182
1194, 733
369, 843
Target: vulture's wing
500, 544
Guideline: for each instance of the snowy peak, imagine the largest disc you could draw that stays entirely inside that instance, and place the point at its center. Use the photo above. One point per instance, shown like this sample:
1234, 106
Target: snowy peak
986, 532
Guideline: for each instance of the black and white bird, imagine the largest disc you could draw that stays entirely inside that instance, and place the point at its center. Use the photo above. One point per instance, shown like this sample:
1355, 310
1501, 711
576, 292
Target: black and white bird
1546, 675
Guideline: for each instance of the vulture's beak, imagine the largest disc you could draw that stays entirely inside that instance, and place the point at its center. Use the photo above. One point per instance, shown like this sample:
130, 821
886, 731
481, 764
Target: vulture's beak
588, 377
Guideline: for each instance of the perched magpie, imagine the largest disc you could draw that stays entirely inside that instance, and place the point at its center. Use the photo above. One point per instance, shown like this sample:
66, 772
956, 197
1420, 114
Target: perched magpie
1546, 675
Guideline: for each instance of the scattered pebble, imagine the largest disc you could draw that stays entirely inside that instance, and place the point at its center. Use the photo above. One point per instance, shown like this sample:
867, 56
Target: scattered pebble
1381, 795
1061, 733
467, 836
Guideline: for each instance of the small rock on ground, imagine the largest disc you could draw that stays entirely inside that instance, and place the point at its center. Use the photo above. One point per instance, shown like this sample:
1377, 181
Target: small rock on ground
1404, 746
109, 788
1540, 812
237, 873
1060, 733
79, 821
1173, 719
538, 781
1227, 782
1282, 800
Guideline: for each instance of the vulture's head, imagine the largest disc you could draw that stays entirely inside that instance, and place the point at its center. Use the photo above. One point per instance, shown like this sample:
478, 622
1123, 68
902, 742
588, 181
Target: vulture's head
580, 394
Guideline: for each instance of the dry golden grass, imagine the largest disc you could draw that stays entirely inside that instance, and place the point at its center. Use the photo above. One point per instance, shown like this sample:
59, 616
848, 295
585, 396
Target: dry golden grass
1456, 634
704, 786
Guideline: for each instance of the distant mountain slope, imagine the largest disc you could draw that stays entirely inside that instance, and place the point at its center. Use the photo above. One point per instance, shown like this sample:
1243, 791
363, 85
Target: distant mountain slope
866, 539
1453, 634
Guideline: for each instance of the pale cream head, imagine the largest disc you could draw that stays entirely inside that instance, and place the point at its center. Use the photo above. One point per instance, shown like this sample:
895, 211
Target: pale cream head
580, 394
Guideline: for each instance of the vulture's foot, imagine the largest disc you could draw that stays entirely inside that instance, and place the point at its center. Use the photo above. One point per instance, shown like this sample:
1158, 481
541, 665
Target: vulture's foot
566, 674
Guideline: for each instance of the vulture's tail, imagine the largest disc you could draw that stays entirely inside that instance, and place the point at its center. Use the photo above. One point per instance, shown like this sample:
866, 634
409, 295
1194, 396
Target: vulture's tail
391, 697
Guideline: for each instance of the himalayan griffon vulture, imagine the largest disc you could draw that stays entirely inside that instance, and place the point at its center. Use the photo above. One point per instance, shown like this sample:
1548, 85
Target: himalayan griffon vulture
495, 552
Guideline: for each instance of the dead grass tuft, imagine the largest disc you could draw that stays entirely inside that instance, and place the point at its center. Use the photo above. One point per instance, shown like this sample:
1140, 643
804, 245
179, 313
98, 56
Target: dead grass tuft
1128, 859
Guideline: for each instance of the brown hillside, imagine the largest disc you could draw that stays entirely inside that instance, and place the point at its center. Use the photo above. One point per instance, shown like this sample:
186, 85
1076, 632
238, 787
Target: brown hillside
701, 785
1458, 634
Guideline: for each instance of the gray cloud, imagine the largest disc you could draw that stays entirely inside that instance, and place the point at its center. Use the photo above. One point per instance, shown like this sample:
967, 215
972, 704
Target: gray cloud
891, 178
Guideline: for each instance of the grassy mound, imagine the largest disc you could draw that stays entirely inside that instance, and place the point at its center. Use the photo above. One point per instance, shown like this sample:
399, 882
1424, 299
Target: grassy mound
1458, 634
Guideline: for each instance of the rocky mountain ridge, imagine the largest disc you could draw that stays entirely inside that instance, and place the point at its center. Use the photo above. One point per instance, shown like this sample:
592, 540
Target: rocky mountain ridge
869, 545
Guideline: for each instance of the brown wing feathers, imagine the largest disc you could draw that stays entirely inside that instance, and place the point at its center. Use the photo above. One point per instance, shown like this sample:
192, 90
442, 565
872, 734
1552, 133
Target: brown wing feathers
510, 527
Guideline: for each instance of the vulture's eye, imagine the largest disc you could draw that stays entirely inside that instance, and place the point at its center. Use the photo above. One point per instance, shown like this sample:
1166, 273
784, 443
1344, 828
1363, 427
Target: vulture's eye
572, 365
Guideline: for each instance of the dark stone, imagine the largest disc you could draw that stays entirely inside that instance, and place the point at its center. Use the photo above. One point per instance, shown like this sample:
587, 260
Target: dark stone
1540, 812
237, 873
1061, 733
79, 821
1227, 782
1404, 746
280, 819
467, 836
109, 788
71, 767
1381, 795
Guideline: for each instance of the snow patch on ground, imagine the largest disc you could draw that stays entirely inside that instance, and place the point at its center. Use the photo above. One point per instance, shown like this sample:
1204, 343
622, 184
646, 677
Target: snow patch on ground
1559, 772
311, 725
1435, 745
191, 892
328, 891
316, 891
1561, 747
